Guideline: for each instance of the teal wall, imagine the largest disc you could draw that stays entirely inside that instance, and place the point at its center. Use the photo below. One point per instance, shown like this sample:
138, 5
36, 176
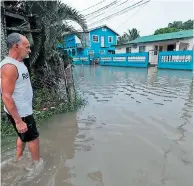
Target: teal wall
182, 60
95, 47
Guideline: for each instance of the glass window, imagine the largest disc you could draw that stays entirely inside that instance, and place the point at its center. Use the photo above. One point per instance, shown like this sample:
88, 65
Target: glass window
110, 39
91, 53
102, 52
95, 38
160, 48
73, 52
141, 48
128, 50
155, 50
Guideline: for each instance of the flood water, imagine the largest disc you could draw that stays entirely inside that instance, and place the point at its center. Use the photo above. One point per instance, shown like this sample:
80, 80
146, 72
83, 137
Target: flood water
136, 130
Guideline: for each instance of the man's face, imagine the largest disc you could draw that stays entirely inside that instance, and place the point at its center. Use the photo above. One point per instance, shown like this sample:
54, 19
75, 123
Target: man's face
24, 48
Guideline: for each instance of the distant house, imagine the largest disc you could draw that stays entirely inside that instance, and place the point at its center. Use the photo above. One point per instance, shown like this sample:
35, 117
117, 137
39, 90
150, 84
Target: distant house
176, 41
101, 40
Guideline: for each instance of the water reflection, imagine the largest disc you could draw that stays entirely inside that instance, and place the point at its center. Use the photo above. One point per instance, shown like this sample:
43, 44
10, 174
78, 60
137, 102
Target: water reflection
135, 130
57, 142
155, 105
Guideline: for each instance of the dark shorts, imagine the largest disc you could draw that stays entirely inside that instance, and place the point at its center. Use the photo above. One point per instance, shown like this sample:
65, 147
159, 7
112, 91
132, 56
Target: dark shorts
32, 132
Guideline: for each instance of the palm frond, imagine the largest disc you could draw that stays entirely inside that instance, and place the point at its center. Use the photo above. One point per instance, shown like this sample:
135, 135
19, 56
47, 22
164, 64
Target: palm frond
66, 12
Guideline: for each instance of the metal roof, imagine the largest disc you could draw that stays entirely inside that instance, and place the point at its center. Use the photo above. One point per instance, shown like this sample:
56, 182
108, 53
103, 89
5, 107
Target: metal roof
102, 27
162, 37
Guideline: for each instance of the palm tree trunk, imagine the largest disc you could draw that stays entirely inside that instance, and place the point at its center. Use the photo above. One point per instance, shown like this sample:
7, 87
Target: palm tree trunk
4, 50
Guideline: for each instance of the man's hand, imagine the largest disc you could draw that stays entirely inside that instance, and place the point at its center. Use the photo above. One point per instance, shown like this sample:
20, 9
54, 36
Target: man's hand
21, 127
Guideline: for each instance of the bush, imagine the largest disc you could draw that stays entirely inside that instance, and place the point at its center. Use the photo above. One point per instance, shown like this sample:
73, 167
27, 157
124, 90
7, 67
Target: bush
43, 108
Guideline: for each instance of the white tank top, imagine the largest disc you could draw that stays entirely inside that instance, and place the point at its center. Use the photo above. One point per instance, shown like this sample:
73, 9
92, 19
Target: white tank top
23, 93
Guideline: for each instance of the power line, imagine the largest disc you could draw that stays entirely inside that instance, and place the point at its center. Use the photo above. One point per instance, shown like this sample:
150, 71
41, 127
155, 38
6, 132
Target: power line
121, 11
105, 7
132, 15
110, 10
93, 6
114, 3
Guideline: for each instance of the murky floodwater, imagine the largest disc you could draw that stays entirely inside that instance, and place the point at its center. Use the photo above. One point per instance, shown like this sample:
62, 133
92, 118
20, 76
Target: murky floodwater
136, 130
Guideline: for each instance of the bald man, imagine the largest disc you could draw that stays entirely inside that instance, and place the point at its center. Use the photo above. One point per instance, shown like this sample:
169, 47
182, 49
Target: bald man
17, 95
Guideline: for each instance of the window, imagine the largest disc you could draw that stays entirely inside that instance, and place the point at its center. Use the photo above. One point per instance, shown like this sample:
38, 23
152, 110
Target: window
73, 52
110, 39
104, 29
128, 50
102, 52
91, 53
111, 52
171, 47
141, 48
160, 48
95, 38
155, 50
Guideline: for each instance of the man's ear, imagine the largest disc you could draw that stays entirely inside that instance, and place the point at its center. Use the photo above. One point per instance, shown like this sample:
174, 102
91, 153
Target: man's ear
17, 45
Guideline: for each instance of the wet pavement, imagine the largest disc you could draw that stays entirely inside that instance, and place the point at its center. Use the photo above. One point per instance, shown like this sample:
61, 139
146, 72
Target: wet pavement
136, 130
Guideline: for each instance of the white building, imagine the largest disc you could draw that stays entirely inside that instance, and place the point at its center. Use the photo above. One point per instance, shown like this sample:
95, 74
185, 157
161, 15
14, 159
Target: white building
153, 44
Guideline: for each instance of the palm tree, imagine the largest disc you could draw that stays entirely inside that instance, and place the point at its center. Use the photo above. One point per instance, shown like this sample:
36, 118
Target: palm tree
3, 34
123, 39
50, 17
129, 36
132, 34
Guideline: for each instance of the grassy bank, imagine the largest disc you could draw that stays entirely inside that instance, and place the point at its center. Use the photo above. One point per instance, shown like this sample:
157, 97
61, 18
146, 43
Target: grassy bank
45, 105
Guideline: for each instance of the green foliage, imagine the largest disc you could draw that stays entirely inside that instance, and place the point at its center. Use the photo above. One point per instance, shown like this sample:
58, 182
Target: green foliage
129, 36
166, 30
47, 65
175, 27
188, 24
54, 107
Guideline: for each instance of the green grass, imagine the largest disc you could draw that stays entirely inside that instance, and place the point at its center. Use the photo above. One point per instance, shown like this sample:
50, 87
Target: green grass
43, 99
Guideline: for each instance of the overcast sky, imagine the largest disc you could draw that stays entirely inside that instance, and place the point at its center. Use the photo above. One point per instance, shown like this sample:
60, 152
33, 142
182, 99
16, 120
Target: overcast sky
146, 18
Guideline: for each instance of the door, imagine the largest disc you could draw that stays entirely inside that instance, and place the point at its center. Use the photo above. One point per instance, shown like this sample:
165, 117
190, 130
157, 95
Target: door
153, 55
170, 47
102, 41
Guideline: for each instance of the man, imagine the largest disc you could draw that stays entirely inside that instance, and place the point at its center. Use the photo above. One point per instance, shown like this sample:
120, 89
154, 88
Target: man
17, 95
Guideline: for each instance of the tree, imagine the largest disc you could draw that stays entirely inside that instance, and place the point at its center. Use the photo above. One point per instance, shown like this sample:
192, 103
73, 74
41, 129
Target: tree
48, 20
175, 27
176, 24
132, 34
129, 36
188, 24
50, 17
123, 39
165, 30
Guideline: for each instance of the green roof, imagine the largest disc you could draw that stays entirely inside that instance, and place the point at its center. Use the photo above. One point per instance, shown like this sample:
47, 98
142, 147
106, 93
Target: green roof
161, 37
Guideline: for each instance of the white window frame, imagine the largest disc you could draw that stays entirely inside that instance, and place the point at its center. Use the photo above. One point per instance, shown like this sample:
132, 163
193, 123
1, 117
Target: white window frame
90, 51
142, 46
93, 39
129, 50
111, 39
104, 29
101, 51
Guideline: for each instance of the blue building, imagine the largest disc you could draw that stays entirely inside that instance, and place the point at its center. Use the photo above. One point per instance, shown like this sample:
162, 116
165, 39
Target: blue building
98, 41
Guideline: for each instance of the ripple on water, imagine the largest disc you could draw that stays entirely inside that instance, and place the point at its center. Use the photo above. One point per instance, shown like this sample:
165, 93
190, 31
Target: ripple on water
141, 126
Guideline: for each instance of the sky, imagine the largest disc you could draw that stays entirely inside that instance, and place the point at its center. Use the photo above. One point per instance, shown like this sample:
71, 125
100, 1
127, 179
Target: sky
146, 18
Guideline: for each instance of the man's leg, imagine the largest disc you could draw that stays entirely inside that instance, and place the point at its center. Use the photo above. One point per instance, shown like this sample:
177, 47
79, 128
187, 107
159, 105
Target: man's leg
19, 148
34, 149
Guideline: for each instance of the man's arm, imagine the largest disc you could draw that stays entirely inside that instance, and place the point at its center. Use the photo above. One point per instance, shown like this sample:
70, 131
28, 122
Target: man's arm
9, 76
